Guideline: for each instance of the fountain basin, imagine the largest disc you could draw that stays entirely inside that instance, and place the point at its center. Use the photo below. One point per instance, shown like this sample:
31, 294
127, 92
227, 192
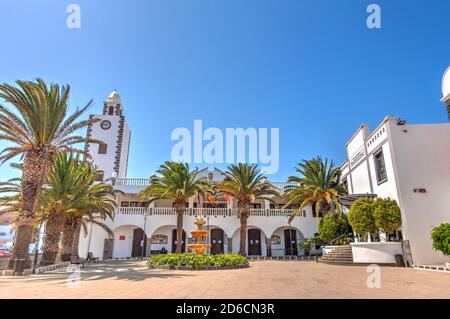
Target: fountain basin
199, 248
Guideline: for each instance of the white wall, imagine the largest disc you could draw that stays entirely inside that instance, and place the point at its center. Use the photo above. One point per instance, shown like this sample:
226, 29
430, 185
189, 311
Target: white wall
126, 140
422, 157
105, 162
388, 188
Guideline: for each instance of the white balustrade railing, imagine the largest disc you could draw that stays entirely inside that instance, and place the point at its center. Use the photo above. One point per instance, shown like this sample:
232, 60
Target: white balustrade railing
146, 181
131, 181
132, 210
276, 212
283, 186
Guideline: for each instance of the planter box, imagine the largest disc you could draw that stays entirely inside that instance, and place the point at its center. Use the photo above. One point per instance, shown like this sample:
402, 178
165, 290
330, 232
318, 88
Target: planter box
376, 252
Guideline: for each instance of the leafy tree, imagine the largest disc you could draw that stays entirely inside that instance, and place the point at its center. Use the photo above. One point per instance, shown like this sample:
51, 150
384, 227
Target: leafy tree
38, 126
361, 217
318, 183
175, 181
387, 216
245, 183
441, 238
333, 226
93, 206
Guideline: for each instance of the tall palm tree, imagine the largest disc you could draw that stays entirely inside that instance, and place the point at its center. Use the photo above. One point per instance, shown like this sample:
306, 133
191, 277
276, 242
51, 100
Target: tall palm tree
175, 181
94, 206
245, 183
318, 183
68, 180
38, 128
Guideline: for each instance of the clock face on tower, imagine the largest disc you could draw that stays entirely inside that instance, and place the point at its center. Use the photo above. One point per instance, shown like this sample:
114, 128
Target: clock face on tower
105, 124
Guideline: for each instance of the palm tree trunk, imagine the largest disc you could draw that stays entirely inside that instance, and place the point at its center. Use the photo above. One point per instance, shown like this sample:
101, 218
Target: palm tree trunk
244, 212
53, 229
68, 237
35, 168
76, 239
180, 208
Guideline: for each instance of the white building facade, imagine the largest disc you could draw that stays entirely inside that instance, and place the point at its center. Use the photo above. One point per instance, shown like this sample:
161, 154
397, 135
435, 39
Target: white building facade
141, 228
411, 164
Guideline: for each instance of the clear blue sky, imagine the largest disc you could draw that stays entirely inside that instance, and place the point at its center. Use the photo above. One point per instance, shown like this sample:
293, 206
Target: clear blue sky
311, 68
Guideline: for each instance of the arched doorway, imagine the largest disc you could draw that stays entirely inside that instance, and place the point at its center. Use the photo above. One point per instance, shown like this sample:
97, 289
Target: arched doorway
217, 241
285, 241
254, 242
290, 242
174, 241
139, 247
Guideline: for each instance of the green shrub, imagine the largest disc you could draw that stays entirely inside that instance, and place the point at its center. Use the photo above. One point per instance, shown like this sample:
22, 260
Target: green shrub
332, 226
387, 216
194, 261
441, 238
361, 216
315, 241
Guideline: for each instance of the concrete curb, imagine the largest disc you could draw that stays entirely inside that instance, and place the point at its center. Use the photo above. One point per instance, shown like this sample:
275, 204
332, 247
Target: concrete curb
432, 268
168, 267
9, 272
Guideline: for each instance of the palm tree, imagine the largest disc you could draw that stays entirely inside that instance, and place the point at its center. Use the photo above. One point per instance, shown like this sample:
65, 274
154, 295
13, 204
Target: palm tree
38, 129
318, 183
175, 181
68, 180
94, 206
245, 183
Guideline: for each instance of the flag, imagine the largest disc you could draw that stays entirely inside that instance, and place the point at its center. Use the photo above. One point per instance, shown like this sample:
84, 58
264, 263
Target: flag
208, 197
227, 198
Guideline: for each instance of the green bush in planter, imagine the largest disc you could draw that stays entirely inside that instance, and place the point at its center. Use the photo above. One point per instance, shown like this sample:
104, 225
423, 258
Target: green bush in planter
441, 238
194, 261
387, 216
332, 226
361, 216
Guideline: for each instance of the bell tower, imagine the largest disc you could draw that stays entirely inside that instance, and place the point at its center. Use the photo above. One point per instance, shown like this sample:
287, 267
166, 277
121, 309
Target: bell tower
111, 156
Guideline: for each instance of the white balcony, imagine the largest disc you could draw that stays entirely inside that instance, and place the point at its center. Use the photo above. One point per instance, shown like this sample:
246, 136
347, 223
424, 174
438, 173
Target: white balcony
204, 211
130, 184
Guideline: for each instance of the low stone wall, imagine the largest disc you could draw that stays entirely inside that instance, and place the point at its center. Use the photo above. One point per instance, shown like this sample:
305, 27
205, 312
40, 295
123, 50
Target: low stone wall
376, 252
167, 267
9, 272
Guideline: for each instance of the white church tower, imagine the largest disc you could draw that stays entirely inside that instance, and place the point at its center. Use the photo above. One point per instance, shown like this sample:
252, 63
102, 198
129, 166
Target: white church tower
111, 157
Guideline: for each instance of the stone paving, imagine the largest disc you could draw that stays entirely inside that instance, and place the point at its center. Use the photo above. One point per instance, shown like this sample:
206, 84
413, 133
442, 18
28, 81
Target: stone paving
264, 279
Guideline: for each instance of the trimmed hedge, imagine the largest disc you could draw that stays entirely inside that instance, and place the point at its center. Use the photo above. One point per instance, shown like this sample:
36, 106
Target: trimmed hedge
193, 261
441, 238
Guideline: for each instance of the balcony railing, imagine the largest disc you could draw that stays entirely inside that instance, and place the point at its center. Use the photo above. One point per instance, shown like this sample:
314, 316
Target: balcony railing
204, 211
142, 182
131, 182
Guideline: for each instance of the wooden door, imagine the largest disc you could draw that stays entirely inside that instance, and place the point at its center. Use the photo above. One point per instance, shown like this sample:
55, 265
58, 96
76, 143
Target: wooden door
139, 243
254, 242
174, 241
216, 241
108, 248
290, 242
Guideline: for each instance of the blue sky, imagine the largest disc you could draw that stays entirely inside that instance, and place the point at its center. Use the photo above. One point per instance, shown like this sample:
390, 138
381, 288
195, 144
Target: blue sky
311, 68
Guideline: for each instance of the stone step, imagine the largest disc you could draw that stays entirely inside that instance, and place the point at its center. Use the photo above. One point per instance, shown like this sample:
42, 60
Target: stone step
337, 258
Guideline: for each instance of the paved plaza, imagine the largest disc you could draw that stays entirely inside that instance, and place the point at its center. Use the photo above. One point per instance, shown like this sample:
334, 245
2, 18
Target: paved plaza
264, 279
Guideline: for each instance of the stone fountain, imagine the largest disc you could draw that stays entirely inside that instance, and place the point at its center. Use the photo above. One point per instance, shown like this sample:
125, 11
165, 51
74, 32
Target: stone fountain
199, 234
